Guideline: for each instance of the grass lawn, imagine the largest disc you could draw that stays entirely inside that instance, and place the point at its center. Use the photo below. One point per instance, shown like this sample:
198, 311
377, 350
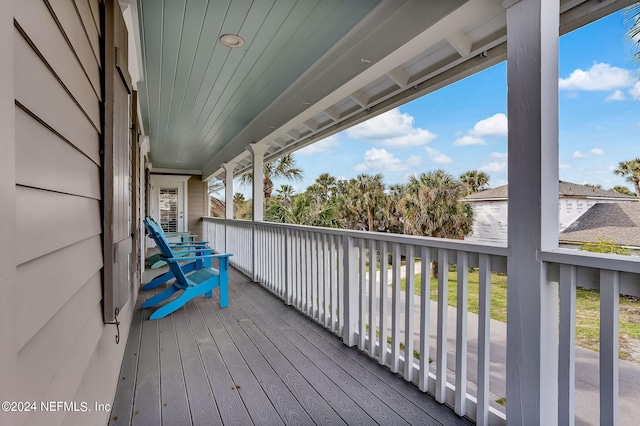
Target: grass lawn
587, 311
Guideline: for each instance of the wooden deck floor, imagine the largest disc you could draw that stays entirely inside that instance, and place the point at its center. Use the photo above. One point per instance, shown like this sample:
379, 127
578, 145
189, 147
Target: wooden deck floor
257, 361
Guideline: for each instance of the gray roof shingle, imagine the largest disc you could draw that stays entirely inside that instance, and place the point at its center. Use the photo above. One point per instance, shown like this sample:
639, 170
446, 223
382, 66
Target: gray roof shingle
619, 222
566, 189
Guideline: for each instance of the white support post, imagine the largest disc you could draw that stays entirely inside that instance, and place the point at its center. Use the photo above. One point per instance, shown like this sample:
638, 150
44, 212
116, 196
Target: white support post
228, 189
258, 180
258, 200
532, 342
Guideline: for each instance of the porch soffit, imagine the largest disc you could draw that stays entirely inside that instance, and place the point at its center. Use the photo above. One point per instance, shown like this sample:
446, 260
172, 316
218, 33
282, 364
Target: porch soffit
308, 68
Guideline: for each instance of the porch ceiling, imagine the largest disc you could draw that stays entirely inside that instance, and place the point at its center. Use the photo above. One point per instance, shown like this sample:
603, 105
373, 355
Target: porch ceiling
307, 69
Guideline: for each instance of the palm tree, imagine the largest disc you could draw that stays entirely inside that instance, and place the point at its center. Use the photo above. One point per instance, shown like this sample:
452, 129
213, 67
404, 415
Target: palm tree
475, 180
622, 190
367, 196
241, 207
324, 188
303, 210
630, 169
285, 194
432, 207
283, 168
632, 17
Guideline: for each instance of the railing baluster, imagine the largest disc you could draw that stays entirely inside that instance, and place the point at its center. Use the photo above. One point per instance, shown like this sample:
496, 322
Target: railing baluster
566, 350
609, 310
349, 291
484, 339
409, 311
425, 305
441, 348
327, 269
461, 333
384, 291
362, 290
342, 280
313, 276
395, 309
371, 288
288, 258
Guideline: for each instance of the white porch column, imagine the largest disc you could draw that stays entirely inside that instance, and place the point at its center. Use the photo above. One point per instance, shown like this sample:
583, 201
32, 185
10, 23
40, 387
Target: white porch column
228, 189
258, 181
532, 310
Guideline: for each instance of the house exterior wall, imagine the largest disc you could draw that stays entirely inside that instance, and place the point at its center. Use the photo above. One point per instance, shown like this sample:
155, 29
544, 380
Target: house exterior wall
55, 345
198, 194
490, 217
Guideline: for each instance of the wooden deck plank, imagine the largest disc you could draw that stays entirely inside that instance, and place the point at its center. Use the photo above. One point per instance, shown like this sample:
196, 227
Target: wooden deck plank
255, 400
173, 393
316, 406
146, 404
336, 397
281, 397
204, 410
364, 398
407, 399
232, 409
257, 362
122, 408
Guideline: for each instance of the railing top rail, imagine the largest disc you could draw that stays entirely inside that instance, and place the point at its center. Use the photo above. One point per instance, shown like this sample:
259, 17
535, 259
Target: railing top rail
459, 245
221, 219
592, 260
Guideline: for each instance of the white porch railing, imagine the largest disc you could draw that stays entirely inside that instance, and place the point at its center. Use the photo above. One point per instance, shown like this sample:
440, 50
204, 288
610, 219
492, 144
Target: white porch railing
350, 281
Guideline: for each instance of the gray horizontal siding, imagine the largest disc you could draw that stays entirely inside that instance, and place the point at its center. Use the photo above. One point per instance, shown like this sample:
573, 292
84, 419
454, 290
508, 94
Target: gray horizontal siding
64, 350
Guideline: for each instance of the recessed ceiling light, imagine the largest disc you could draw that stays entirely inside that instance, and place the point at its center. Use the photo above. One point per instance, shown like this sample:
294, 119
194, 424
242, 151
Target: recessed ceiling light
232, 40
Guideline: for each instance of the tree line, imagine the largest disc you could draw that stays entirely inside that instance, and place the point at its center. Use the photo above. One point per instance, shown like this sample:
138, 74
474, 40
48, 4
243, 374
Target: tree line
429, 204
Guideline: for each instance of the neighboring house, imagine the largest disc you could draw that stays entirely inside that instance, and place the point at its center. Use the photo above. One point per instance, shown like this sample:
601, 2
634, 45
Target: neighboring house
618, 222
490, 208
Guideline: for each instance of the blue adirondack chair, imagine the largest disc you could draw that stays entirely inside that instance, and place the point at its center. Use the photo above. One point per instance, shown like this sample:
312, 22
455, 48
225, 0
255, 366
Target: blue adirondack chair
155, 261
193, 284
155, 232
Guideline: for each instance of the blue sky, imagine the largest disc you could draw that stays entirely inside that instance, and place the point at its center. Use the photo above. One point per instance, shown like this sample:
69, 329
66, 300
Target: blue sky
463, 126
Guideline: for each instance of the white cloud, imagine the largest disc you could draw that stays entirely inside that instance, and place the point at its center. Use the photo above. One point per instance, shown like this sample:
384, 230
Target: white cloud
383, 160
617, 95
496, 125
495, 167
325, 145
500, 165
468, 140
392, 128
635, 90
438, 157
594, 151
599, 77
565, 166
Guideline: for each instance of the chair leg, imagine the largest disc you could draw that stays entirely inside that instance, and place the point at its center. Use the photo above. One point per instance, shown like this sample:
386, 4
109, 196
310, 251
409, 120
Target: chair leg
153, 301
161, 279
158, 281
224, 290
179, 301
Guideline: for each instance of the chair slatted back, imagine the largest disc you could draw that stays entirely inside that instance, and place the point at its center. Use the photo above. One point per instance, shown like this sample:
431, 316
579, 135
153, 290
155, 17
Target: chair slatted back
167, 253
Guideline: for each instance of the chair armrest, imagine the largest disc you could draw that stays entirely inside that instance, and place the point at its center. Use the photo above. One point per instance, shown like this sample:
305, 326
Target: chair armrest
186, 243
208, 256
